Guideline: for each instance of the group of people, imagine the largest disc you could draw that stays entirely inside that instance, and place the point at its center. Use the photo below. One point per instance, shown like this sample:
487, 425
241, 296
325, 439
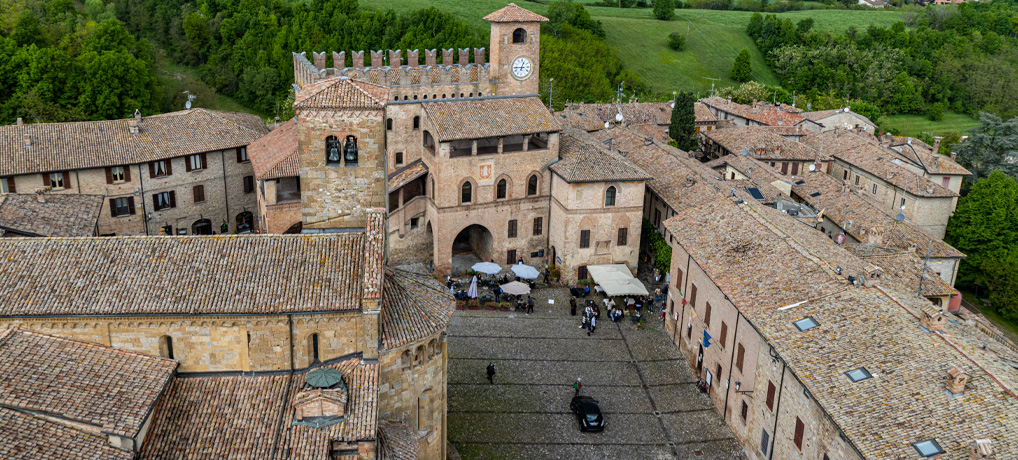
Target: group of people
592, 311
590, 315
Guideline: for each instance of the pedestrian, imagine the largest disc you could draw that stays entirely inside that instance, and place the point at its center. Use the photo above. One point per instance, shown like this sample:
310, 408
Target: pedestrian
577, 385
547, 276
491, 373
530, 305
572, 306
591, 325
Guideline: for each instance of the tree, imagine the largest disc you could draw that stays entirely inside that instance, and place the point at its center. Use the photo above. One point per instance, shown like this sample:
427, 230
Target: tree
741, 71
985, 227
664, 10
683, 125
677, 41
993, 145
1001, 274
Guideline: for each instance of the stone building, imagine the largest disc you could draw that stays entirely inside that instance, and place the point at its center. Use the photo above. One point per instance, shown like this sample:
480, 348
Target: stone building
790, 157
843, 118
758, 114
180, 173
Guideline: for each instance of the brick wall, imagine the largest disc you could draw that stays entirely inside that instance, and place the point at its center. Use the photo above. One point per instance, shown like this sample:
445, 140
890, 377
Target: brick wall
412, 389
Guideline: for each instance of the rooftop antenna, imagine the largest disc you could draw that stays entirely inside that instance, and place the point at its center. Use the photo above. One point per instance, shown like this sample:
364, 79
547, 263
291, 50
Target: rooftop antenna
712, 80
190, 97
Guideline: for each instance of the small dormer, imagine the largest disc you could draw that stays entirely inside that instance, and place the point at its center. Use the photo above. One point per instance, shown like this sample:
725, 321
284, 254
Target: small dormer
956, 380
322, 401
933, 320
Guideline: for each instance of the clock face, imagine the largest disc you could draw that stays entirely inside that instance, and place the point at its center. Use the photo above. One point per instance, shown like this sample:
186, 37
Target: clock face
521, 68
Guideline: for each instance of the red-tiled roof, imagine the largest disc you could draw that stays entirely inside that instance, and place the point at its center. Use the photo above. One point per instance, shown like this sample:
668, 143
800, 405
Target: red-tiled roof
762, 144
406, 174
26, 437
479, 118
396, 441
341, 93
274, 155
761, 112
585, 159
57, 215
414, 306
513, 13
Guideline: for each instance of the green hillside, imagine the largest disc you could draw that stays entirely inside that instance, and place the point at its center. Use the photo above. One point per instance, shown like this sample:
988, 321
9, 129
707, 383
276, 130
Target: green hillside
714, 37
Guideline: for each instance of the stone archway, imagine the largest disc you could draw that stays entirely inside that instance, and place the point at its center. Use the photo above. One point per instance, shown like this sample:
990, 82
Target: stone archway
201, 227
471, 245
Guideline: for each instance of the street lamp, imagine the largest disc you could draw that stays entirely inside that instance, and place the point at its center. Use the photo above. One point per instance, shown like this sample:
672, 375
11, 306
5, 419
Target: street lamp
739, 385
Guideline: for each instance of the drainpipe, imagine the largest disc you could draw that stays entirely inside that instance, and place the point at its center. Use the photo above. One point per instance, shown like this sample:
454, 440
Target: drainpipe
226, 194
731, 364
141, 192
777, 411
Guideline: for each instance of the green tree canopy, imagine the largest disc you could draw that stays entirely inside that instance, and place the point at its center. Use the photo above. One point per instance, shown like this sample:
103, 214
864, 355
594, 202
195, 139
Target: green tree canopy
741, 71
664, 10
991, 146
683, 123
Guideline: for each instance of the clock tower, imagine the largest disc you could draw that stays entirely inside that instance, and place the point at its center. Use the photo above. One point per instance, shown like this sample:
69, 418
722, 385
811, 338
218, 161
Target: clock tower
515, 49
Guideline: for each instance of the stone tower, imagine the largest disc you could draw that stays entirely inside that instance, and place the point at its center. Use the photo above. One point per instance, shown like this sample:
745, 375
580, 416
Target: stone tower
340, 153
515, 49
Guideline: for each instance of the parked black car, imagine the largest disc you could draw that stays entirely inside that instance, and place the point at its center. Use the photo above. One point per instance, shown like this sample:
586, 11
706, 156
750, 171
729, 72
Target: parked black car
588, 413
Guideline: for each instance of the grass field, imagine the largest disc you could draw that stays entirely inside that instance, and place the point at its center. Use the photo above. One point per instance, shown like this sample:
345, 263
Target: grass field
714, 37
913, 125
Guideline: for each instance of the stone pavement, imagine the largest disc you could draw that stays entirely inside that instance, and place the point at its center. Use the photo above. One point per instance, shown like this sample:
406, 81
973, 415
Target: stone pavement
646, 391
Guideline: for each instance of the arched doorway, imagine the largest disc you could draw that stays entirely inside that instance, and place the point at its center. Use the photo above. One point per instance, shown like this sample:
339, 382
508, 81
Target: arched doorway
472, 245
201, 227
245, 222
295, 228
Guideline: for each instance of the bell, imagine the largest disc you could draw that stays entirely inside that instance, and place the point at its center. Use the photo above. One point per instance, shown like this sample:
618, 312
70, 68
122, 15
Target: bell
334, 154
351, 154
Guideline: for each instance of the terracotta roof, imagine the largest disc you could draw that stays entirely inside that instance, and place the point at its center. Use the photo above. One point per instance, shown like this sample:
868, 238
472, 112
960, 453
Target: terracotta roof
239, 417
174, 275
868, 155
637, 113
681, 182
274, 155
870, 223
474, 119
902, 266
23, 436
414, 306
760, 175
59, 215
703, 113
585, 159
110, 389
760, 112
580, 120
932, 163
819, 116
396, 441
513, 13
406, 174
762, 144
96, 144
341, 93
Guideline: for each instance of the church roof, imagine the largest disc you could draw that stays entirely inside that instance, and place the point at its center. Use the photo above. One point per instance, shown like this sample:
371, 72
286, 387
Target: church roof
494, 117
58, 215
112, 390
584, 159
414, 306
96, 144
396, 441
26, 436
513, 13
341, 93
274, 155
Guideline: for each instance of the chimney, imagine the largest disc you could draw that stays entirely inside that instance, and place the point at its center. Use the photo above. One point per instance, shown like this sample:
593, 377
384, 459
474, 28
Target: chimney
137, 115
40, 196
954, 156
934, 321
982, 449
777, 150
20, 122
132, 126
28, 140
956, 382
909, 141
936, 145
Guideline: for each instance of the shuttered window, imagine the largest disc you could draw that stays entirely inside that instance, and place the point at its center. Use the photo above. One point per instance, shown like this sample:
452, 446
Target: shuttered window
770, 395
512, 228
160, 168
196, 162
242, 155
724, 334
538, 225
692, 295
584, 238
623, 236
706, 315
164, 200
510, 257
117, 174
800, 429
122, 206
7, 185
57, 180
249, 184
740, 356
199, 193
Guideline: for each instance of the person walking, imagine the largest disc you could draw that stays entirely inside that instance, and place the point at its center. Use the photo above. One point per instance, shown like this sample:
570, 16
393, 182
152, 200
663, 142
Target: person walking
577, 385
547, 277
591, 325
530, 305
491, 373
572, 306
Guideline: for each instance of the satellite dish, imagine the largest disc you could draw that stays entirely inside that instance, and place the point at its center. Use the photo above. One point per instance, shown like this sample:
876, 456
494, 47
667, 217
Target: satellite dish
900, 217
812, 168
187, 105
839, 238
618, 117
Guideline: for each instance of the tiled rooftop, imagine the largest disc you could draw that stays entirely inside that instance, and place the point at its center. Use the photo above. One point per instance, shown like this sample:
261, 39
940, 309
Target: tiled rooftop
579, 120
26, 437
637, 113
870, 223
396, 441
57, 215
933, 163
110, 389
762, 144
95, 144
902, 266
761, 112
819, 115
341, 93
406, 174
174, 275
513, 13
585, 159
274, 155
245, 417
414, 306
760, 175
490, 117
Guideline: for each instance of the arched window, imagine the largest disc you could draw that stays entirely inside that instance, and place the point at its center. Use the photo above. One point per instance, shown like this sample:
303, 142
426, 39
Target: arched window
465, 193
609, 196
532, 185
166, 347
519, 36
388, 121
500, 190
332, 150
350, 151
417, 122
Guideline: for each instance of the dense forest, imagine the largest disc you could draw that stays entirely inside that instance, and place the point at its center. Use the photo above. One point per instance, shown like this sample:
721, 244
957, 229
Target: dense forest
963, 59
62, 61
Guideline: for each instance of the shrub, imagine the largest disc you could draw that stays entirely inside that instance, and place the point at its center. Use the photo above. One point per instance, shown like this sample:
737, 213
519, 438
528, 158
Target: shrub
676, 41
664, 9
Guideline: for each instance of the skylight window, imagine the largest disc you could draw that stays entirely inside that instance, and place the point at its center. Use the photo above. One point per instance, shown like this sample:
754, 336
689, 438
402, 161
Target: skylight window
814, 194
806, 323
928, 448
858, 374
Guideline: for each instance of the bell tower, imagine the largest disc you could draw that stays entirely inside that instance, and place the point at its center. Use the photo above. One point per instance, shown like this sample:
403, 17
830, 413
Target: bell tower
515, 49
340, 153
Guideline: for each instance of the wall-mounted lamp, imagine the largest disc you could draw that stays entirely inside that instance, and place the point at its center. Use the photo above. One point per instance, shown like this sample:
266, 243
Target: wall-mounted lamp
739, 385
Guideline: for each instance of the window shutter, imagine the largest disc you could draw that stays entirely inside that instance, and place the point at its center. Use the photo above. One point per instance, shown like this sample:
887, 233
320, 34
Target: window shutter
770, 395
130, 205
127, 173
623, 236
45, 180
584, 238
169, 167
512, 228
692, 295
724, 333
10, 185
740, 357
800, 428
151, 169
706, 316
199, 193
173, 199
67, 179
109, 176
187, 163
238, 155
204, 161
113, 204
678, 278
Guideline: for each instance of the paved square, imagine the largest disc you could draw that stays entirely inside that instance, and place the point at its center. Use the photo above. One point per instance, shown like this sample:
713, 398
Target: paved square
647, 393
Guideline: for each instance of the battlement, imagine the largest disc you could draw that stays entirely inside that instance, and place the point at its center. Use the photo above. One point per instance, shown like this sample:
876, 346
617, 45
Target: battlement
402, 74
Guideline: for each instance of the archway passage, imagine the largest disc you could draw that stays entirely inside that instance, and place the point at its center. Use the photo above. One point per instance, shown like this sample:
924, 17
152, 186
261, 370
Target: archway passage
245, 222
295, 228
472, 245
201, 227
